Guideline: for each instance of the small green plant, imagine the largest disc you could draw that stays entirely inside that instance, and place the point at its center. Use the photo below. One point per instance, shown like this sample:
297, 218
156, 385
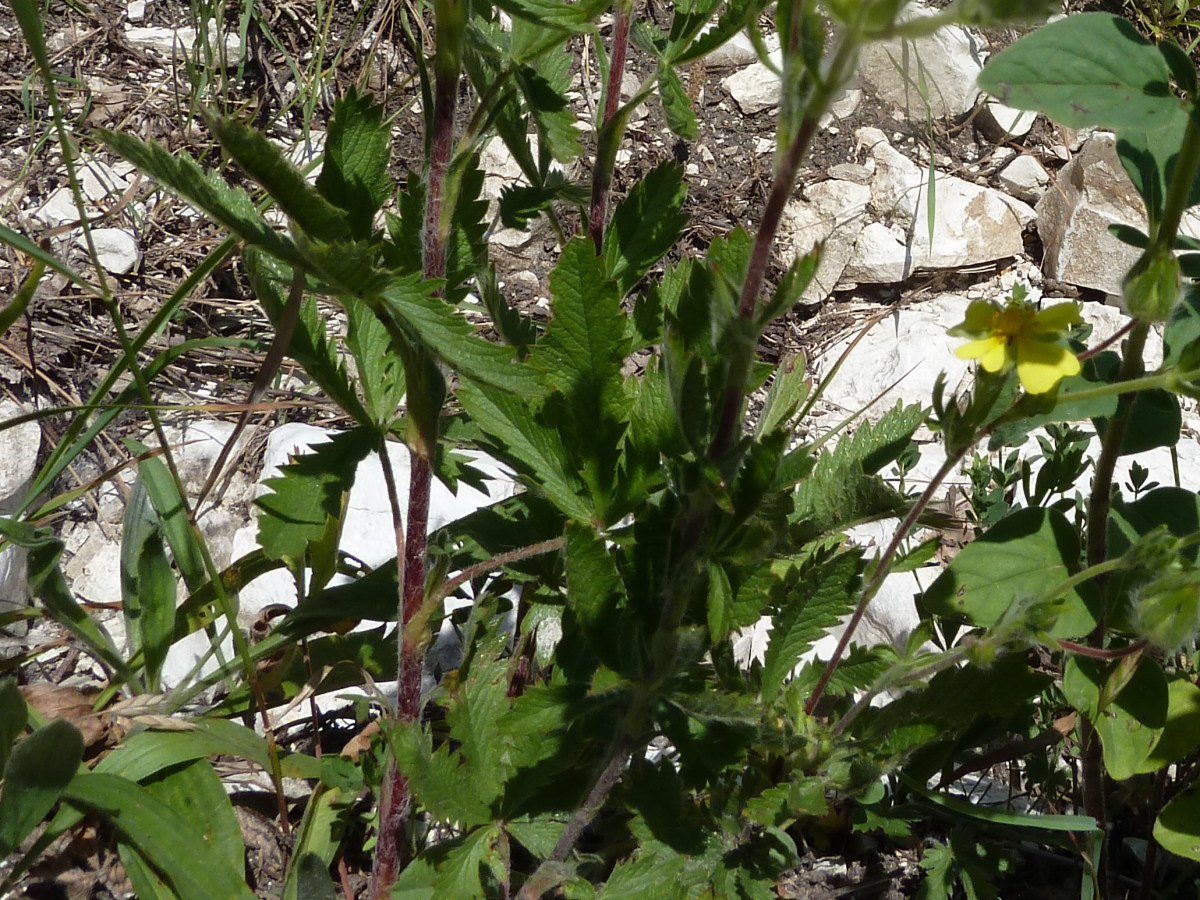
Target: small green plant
629, 754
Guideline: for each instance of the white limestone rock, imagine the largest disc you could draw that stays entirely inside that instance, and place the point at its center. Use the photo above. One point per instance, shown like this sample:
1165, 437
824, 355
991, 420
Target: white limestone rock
19, 447
1090, 193
1025, 178
972, 224
947, 61
833, 212
180, 44
116, 249
754, 88
998, 122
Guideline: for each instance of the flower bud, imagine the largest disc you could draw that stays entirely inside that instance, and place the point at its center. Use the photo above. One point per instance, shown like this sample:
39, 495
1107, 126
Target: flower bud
1153, 285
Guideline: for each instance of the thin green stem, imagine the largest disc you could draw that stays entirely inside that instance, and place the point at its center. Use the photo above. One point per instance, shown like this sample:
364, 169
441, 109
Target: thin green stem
882, 568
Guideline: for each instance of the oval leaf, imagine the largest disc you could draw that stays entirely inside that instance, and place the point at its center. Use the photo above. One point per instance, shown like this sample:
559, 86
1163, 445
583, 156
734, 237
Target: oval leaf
1091, 69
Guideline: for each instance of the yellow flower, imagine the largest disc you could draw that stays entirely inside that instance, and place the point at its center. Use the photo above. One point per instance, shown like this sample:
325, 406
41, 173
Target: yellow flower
1019, 334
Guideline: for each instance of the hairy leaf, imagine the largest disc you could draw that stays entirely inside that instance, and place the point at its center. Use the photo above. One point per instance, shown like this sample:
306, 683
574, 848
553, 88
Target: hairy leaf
207, 191
308, 492
354, 175
266, 164
818, 595
645, 225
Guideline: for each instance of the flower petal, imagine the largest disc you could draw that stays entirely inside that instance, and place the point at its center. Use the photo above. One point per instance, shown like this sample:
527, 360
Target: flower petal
991, 351
980, 317
1041, 365
1059, 317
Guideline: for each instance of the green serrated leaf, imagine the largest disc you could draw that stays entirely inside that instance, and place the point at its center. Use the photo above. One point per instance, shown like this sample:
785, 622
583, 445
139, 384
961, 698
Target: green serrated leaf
266, 164
530, 447
736, 16
676, 104
308, 491
543, 89
354, 175
438, 778
645, 225
1091, 69
209, 192
818, 595
311, 345
843, 488
594, 590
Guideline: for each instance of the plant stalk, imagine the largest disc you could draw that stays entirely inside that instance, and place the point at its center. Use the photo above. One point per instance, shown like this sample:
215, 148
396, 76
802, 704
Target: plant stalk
395, 806
608, 136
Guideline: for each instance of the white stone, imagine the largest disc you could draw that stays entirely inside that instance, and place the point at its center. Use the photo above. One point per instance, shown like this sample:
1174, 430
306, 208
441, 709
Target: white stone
880, 256
833, 212
116, 249
135, 11
1003, 123
971, 224
1090, 193
1025, 178
947, 61
754, 88
100, 181
737, 51
59, 208
306, 153
909, 348
180, 44
19, 448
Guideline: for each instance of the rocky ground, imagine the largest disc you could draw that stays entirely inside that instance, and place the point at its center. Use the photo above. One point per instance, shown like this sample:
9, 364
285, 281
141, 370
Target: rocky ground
1017, 199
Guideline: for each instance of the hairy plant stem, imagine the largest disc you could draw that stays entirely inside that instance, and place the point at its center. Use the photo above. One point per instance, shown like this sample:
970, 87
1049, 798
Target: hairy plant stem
610, 132
787, 164
1099, 504
882, 567
395, 804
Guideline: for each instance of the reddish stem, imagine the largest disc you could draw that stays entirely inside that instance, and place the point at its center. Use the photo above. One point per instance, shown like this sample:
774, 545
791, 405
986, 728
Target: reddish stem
602, 175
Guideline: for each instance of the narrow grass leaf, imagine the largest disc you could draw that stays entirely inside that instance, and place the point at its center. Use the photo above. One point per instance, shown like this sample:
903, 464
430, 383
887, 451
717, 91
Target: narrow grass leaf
147, 585
192, 866
38, 770
50, 586
13, 717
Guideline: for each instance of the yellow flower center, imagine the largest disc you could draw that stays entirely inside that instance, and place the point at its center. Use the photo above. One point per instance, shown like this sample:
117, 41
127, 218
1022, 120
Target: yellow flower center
1011, 322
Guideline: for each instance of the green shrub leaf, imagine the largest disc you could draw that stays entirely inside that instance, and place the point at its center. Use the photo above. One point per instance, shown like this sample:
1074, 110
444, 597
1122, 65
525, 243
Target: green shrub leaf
645, 225
818, 595
1091, 69
308, 492
1015, 561
354, 175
